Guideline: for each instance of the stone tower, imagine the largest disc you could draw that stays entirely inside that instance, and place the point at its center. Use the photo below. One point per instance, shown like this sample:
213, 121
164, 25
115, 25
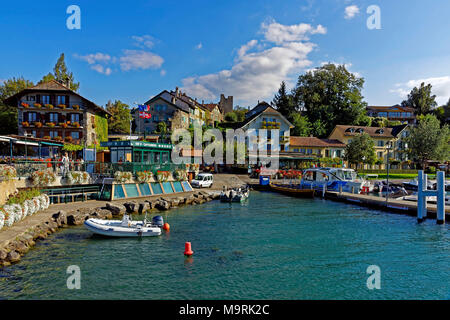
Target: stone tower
226, 104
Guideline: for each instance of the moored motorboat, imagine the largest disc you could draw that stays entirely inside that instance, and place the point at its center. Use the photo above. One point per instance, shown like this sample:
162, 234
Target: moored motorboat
334, 179
235, 195
292, 190
125, 227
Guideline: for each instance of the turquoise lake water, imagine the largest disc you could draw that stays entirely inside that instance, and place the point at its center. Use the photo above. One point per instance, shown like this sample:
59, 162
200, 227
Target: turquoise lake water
272, 247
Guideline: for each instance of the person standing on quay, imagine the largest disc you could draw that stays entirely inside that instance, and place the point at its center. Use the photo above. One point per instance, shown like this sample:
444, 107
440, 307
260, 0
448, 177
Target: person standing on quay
66, 164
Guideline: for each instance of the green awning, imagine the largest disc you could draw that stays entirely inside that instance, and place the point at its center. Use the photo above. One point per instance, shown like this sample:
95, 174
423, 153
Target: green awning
52, 144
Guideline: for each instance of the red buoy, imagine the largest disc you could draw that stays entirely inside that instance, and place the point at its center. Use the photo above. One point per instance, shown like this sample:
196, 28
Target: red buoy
166, 226
187, 249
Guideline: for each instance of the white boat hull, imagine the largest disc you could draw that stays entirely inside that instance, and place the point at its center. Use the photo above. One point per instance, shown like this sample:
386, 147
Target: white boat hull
114, 228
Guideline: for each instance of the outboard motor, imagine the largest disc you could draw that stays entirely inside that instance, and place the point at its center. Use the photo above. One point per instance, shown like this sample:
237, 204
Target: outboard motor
158, 221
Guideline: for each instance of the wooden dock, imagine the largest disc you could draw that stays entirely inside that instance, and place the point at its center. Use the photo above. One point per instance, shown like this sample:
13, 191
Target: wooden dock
400, 206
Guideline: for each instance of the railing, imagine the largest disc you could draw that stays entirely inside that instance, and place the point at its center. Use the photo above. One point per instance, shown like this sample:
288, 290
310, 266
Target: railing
71, 194
24, 168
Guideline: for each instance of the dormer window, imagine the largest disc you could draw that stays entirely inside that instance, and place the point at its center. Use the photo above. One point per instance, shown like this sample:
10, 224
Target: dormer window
379, 131
351, 130
360, 130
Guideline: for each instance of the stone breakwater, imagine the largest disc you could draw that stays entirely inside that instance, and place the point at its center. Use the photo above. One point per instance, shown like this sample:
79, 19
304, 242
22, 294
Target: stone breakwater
11, 250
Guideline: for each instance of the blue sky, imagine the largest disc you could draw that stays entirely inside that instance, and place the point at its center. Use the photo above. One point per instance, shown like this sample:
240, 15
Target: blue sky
132, 50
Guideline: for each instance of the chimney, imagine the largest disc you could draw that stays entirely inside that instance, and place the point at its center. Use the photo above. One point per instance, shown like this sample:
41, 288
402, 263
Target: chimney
203, 101
174, 100
177, 92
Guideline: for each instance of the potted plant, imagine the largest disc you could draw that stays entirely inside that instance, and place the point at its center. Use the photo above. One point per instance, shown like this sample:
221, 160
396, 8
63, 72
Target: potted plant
61, 106
25, 105
57, 138
38, 124
48, 106
47, 138
76, 124
25, 124
50, 124
76, 107
68, 139
37, 105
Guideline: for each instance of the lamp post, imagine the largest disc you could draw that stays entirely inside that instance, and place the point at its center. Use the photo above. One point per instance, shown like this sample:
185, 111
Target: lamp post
388, 148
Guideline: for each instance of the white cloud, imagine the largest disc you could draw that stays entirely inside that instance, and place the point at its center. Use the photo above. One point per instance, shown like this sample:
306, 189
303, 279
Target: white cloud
162, 72
145, 41
257, 75
278, 33
440, 88
351, 12
243, 50
199, 46
139, 59
129, 60
95, 58
100, 69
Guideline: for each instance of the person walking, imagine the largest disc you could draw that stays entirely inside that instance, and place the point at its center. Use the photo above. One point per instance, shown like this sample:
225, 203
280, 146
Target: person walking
65, 164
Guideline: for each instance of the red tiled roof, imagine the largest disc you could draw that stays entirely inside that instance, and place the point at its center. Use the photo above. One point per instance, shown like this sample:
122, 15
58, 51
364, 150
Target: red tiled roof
314, 142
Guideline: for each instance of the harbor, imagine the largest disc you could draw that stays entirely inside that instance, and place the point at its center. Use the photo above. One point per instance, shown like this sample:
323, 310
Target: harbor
299, 249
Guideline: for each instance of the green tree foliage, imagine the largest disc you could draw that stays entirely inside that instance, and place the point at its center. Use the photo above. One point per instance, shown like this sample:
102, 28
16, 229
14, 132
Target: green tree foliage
421, 99
443, 113
284, 102
119, 121
330, 95
428, 140
62, 75
101, 128
161, 129
361, 150
8, 114
302, 126
231, 117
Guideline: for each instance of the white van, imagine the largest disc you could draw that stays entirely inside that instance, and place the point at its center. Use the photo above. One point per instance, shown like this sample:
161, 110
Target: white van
202, 180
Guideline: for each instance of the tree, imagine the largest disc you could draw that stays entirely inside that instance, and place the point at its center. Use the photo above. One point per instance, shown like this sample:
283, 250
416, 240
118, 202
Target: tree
231, 117
421, 99
12, 86
330, 95
119, 121
8, 115
62, 75
443, 113
428, 141
361, 150
302, 126
161, 129
284, 102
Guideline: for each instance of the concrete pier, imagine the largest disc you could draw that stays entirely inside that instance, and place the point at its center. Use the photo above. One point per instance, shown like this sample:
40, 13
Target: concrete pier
400, 206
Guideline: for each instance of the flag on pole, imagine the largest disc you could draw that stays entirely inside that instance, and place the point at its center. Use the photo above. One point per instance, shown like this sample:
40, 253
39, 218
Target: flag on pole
144, 108
144, 115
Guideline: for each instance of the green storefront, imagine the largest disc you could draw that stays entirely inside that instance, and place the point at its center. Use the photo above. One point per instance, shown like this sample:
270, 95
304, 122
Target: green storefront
140, 155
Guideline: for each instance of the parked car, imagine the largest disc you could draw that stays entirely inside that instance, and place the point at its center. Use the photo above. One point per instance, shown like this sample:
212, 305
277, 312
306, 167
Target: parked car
203, 180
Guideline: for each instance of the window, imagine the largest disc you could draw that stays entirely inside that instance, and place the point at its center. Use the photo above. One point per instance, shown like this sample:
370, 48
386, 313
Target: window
380, 154
31, 98
45, 99
309, 151
75, 135
53, 134
53, 117
32, 116
380, 143
61, 99
155, 118
74, 117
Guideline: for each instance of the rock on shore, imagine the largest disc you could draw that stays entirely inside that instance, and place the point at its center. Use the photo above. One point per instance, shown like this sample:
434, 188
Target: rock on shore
12, 250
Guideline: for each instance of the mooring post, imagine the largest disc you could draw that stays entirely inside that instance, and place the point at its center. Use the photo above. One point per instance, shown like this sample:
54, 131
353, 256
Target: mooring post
323, 191
421, 200
340, 189
440, 197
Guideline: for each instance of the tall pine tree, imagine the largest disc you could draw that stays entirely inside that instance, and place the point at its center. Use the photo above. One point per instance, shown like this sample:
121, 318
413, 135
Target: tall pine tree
62, 75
